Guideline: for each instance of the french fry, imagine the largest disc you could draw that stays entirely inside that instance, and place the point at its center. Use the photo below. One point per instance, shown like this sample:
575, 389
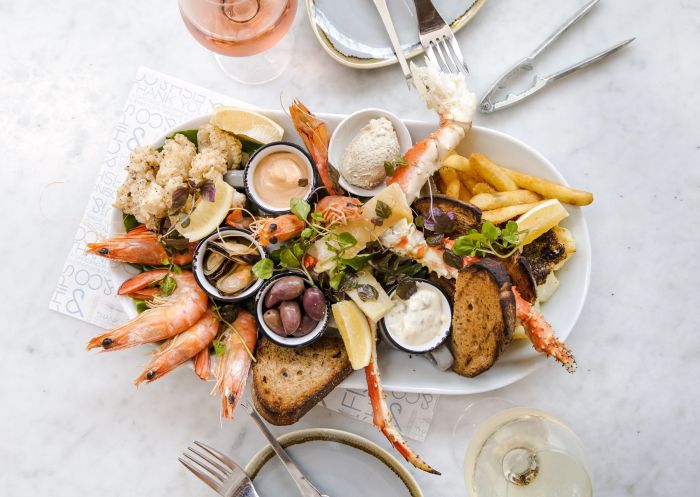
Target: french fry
492, 173
482, 188
453, 189
498, 216
490, 201
468, 182
549, 189
448, 174
456, 161
465, 194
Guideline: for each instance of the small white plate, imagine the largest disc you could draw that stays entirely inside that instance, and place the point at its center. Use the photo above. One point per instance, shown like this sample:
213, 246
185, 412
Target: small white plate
348, 128
404, 373
367, 469
352, 33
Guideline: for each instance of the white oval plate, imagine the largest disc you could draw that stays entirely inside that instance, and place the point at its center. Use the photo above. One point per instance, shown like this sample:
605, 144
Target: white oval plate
367, 468
404, 373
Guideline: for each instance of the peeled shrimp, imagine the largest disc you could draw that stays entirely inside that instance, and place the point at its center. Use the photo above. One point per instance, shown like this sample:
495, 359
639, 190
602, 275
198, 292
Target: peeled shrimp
139, 246
180, 348
233, 368
168, 316
448, 95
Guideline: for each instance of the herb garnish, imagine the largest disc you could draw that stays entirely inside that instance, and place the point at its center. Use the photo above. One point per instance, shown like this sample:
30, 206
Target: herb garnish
390, 166
490, 241
367, 293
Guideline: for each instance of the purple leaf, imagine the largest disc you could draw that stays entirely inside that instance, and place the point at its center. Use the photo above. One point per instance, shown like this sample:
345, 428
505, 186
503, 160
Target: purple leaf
208, 190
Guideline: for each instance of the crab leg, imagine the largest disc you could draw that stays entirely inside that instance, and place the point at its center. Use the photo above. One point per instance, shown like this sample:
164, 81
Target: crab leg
541, 334
382, 416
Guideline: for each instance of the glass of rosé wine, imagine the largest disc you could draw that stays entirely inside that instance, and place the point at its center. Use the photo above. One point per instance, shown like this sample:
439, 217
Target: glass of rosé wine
247, 36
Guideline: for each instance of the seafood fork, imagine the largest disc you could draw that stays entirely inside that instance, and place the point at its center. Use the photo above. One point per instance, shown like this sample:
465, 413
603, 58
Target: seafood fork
218, 471
437, 37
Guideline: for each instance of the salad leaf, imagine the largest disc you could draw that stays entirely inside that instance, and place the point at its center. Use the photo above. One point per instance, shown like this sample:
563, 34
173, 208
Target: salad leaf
382, 209
490, 241
140, 305
346, 240
300, 208
168, 285
208, 190
406, 289
129, 221
288, 259
357, 262
263, 268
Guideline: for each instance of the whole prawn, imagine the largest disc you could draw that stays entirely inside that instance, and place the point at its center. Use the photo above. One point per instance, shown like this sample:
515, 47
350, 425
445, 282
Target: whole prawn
181, 348
314, 133
139, 246
167, 317
233, 368
448, 95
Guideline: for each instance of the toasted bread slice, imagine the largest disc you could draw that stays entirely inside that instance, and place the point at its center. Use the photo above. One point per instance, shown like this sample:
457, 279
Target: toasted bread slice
521, 275
483, 320
288, 382
467, 216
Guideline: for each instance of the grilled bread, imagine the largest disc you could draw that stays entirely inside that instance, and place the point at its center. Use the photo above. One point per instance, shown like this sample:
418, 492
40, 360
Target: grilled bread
467, 216
483, 320
288, 382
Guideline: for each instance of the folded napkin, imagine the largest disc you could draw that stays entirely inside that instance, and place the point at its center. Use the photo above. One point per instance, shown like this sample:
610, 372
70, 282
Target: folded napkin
156, 104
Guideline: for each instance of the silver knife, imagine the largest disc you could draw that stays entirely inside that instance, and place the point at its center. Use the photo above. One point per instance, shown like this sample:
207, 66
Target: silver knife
394, 38
305, 486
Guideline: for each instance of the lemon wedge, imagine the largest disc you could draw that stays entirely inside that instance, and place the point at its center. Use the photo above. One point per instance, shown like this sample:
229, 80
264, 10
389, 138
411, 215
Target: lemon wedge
355, 332
540, 219
247, 124
206, 215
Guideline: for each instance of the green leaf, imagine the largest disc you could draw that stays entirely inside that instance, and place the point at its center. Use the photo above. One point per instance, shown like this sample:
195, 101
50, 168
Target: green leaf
399, 160
298, 250
382, 209
184, 219
263, 268
346, 240
318, 217
389, 168
357, 262
165, 261
307, 233
248, 146
490, 231
510, 233
419, 221
140, 305
176, 269
219, 346
300, 208
336, 279
129, 221
288, 259
276, 254
168, 285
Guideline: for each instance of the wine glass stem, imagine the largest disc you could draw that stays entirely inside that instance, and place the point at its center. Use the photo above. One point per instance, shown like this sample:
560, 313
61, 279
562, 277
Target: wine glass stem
520, 466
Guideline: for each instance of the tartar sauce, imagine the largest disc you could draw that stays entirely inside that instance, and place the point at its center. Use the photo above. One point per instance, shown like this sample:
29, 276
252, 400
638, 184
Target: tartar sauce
420, 320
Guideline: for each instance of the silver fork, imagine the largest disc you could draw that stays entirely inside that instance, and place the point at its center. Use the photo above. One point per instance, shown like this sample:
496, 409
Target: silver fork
438, 39
218, 471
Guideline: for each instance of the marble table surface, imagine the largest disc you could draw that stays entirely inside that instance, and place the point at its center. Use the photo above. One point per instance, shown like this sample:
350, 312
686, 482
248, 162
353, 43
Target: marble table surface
71, 423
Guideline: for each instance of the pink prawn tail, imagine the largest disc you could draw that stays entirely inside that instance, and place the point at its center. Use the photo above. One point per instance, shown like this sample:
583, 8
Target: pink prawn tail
141, 281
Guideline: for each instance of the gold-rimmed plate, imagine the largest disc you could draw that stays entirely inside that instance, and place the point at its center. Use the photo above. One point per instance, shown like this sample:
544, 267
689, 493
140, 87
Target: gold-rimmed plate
367, 469
352, 33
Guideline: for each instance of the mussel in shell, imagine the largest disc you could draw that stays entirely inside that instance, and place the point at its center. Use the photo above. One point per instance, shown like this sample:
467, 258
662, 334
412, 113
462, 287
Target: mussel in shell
236, 280
228, 264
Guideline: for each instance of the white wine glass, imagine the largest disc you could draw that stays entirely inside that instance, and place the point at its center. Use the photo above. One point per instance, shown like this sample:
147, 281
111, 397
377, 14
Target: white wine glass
506, 450
247, 36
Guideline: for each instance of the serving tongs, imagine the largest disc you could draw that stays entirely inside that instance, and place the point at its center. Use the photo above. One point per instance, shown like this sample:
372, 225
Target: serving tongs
490, 102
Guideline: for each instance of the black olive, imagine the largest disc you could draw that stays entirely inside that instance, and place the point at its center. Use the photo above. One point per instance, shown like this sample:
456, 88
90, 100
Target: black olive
104, 251
106, 342
150, 375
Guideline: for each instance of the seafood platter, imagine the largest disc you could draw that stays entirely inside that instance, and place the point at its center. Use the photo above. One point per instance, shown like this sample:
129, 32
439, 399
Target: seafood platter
306, 250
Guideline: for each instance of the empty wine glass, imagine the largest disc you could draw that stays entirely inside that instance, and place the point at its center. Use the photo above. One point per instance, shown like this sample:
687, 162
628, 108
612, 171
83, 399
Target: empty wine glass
247, 36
